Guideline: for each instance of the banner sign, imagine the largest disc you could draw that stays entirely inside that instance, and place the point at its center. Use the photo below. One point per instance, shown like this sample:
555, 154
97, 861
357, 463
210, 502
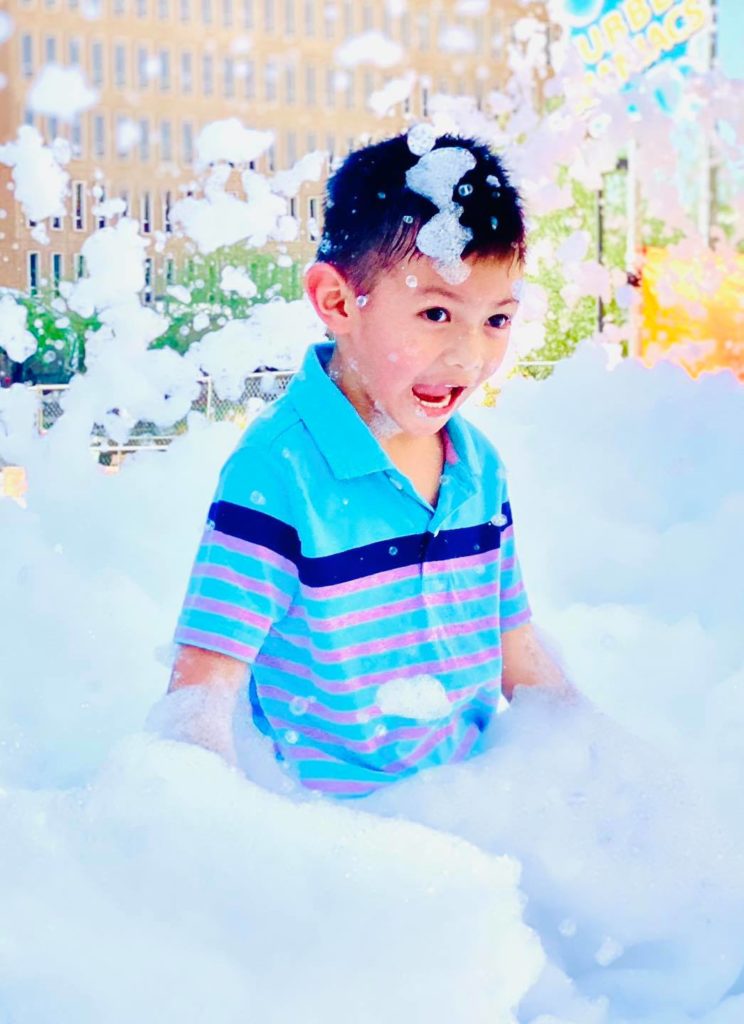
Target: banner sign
618, 38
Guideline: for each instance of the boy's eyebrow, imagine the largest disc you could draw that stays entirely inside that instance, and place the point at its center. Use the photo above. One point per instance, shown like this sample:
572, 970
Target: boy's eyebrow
434, 289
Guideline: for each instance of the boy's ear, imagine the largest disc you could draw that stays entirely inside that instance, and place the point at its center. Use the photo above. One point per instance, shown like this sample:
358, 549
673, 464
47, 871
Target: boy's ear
332, 296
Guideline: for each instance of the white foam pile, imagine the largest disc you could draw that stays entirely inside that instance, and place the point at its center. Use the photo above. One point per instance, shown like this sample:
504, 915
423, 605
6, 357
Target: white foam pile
587, 870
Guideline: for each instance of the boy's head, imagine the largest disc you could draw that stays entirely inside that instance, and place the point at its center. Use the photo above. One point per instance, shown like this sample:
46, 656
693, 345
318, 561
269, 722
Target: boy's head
417, 276
373, 216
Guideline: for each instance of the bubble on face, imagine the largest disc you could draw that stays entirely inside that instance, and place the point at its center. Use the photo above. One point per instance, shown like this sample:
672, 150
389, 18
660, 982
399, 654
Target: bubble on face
362, 300
421, 138
453, 273
412, 281
518, 289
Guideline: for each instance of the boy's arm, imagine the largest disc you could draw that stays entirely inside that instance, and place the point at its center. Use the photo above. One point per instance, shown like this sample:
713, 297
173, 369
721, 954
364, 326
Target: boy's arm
201, 700
529, 662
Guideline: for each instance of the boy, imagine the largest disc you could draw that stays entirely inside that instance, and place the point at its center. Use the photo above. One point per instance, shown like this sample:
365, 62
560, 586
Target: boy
359, 556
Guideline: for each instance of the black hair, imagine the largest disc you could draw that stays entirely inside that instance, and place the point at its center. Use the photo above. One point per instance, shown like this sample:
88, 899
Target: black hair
372, 217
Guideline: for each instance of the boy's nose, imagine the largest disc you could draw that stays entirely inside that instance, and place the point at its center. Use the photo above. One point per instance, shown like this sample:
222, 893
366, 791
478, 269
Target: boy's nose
464, 354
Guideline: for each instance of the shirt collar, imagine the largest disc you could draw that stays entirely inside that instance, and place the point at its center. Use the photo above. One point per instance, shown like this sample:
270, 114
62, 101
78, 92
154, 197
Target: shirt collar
343, 437
339, 431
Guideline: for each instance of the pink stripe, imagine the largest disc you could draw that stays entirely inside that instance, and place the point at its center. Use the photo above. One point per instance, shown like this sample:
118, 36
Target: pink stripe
216, 642
507, 563
468, 742
383, 645
378, 579
229, 610
440, 666
412, 759
368, 746
512, 621
251, 550
318, 710
238, 579
407, 604
511, 592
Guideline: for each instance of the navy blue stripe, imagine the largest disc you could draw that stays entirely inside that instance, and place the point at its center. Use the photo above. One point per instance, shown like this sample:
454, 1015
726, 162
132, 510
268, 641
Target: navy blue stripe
357, 563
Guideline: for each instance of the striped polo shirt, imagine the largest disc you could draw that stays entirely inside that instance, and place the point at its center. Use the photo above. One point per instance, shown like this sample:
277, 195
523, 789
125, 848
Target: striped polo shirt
371, 621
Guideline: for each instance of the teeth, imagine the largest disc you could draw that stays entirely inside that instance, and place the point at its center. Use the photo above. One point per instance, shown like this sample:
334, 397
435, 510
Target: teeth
439, 403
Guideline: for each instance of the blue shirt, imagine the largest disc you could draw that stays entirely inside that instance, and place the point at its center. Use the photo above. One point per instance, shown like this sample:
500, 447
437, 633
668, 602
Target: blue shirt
371, 621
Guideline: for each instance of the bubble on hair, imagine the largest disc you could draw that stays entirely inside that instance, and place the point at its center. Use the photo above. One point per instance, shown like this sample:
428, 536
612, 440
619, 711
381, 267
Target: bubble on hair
421, 138
465, 190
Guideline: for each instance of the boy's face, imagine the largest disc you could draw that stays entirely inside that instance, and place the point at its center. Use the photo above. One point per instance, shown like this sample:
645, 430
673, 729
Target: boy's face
418, 346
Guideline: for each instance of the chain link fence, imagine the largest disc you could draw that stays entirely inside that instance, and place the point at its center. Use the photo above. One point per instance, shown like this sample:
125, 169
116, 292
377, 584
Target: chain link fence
259, 388
145, 434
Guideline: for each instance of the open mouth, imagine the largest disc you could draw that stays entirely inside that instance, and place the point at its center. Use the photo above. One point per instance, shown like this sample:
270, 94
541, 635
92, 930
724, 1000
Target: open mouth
436, 399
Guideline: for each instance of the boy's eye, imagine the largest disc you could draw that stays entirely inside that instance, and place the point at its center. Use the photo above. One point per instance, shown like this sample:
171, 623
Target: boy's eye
499, 320
436, 314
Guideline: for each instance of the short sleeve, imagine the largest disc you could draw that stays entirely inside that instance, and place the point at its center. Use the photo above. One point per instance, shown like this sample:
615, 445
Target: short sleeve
514, 608
245, 573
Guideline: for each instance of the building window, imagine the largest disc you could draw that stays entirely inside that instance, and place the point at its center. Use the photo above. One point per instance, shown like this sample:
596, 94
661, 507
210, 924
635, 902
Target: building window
184, 10
228, 77
329, 20
312, 142
331, 147
368, 17
290, 88
206, 11
187, 142
57, 270
76, 136
368, 85
123, 127
50, 49
96, 63
405, 30
291, 148
78, 197
425, 100
73, 50
144, 139
187, 73
424, 32
349, 90
81, 268
164, 62
290, 25
227, 13
271, 158
99, 135
140, 7
142, 67
56, 223
124, 196
330, 87
309, 17
27, 55
146, 210
167, 207
249, 89
120, 65
163, 9
52, 127
166, 141
33, 273
170, 271
248, 16
270, 75
101, 217
120, 8
147, 293
311, 86
207, 74
348, 24
269, 9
